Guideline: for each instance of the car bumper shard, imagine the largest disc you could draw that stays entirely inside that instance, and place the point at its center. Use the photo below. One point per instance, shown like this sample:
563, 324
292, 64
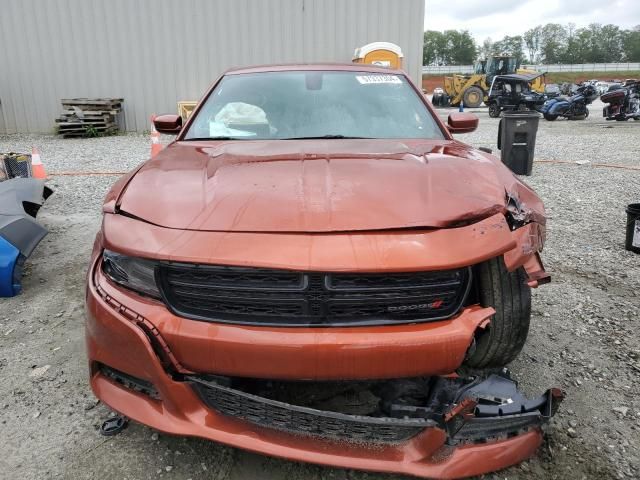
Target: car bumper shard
469, 410
20, 200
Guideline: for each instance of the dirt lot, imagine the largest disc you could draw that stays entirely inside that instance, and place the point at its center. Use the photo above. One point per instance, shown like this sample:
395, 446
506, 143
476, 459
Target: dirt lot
584, 334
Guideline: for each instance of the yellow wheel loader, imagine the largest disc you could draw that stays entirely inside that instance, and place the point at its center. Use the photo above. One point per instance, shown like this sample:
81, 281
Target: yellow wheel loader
473, 89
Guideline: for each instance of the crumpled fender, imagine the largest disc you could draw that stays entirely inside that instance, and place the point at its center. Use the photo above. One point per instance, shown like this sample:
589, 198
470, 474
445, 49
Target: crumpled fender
20, 200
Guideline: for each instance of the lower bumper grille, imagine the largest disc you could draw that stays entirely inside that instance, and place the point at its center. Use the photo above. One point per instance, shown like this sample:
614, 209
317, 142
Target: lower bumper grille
306, 421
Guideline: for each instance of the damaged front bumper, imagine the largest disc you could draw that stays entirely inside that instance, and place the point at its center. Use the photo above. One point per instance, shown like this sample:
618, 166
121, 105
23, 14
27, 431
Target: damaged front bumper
480, 431
20, 200
434, 427
469, 410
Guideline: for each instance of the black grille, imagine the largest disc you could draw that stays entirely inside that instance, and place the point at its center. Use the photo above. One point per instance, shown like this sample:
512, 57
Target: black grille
259, 296
304, 420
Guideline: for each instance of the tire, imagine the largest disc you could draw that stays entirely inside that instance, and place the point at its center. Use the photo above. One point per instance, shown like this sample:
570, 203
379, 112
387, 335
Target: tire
494, 110
507, 292
551, 117
473, 97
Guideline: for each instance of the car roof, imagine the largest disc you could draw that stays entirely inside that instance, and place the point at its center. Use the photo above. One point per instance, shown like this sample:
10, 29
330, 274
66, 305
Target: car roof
296, 67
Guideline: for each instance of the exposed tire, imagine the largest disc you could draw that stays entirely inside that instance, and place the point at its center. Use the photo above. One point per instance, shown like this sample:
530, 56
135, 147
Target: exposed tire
473, 97
494, 110
550, 117
507, 292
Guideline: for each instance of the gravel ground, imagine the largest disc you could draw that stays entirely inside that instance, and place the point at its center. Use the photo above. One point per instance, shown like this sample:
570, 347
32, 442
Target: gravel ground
584, 333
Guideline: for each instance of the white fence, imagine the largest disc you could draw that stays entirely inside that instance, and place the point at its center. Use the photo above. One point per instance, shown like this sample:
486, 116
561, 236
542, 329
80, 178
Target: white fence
445, 69
578, 67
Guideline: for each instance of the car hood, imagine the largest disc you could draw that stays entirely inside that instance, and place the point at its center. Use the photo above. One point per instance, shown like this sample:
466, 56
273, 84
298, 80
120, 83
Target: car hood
320, 186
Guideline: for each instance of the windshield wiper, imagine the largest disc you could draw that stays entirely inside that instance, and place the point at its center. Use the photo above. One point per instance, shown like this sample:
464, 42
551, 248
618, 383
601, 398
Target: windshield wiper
322, 137
220, 137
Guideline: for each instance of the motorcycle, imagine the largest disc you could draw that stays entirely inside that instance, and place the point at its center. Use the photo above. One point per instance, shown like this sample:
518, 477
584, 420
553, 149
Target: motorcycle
623, 103
573, 108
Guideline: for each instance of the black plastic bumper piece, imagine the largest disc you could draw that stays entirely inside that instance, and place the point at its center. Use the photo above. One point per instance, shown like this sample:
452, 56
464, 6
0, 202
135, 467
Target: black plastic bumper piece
304, 420
471, 410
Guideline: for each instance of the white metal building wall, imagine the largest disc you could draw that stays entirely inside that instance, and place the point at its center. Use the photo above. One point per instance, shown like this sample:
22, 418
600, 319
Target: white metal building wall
157, 52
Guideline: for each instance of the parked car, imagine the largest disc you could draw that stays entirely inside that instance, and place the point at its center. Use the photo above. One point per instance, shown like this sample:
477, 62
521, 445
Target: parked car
315, 234
602, 87
513, 92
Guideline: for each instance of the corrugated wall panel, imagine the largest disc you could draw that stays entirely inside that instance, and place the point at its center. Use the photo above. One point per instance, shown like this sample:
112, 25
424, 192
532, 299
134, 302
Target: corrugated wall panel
157, 52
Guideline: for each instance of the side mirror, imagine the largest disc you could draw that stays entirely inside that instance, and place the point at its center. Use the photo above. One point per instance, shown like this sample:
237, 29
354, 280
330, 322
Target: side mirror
169, 124
460, 122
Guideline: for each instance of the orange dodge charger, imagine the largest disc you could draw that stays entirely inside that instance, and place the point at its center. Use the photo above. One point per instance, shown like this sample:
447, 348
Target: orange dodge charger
314, 269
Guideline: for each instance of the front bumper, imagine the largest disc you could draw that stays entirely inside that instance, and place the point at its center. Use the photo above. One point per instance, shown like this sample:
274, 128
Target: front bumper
296, 353
121, 336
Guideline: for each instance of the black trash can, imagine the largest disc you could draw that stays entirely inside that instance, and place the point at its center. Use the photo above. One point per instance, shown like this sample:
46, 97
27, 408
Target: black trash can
633, 228
517, 140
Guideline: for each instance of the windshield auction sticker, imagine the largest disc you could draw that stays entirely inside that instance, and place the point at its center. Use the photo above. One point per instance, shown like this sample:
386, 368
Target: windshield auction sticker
369, 79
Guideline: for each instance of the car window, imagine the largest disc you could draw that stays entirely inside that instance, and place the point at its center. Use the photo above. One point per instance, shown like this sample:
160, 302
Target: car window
311, 104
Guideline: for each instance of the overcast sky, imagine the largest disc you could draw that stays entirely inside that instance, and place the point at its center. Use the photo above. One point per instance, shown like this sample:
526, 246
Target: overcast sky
497, 18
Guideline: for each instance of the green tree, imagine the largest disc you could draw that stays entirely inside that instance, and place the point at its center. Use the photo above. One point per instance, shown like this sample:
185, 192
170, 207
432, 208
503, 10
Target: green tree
610, 41
451, 47
460, 47
631, 45
570, 54
510, 46
533, 42
553, 42
432, 48
486, 50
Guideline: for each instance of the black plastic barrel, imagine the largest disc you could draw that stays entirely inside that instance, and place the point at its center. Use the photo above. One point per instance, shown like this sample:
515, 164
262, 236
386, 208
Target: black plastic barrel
633, 228
517, 140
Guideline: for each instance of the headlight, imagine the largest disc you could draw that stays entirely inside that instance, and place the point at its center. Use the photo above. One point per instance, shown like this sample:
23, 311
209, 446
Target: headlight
133, 273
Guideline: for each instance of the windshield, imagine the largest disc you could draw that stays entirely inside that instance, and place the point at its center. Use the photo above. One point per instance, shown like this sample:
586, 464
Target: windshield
313, 104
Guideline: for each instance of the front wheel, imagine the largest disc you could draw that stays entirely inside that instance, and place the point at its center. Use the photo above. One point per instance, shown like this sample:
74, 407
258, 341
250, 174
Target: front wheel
473, 97
550, 116
506, 334
494, 110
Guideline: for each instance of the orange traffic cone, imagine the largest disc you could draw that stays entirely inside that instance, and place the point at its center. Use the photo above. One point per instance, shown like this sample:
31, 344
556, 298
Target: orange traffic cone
37, 169
156, 146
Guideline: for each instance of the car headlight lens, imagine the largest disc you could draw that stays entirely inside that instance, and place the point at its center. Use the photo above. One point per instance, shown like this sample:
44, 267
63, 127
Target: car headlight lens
136, 274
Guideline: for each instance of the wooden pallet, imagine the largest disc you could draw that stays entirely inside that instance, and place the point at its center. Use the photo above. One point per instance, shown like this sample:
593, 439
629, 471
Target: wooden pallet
83, 117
